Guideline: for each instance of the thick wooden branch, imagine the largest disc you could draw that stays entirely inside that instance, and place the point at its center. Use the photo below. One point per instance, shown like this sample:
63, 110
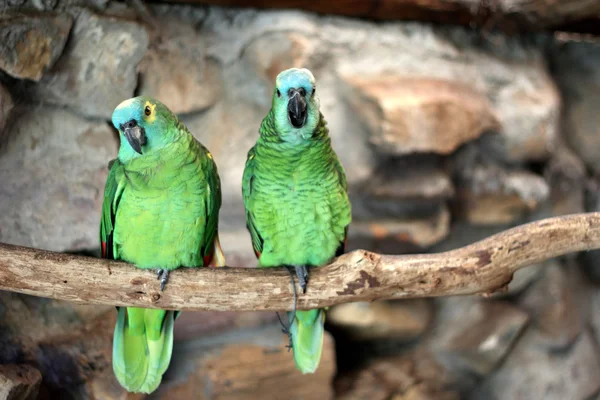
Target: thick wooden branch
509, 15
482, 267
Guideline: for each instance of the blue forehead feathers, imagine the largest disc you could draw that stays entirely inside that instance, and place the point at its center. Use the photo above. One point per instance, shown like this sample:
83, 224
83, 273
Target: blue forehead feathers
295, 78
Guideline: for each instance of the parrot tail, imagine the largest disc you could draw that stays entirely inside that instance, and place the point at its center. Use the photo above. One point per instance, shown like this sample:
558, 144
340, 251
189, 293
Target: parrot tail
307, 339
142, 347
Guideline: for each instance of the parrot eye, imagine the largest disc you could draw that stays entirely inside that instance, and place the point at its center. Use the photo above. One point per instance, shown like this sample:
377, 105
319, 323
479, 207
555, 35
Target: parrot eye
278, 93
314, 90
147, 111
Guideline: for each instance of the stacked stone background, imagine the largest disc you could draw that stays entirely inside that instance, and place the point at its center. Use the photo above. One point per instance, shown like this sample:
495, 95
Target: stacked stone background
447, 135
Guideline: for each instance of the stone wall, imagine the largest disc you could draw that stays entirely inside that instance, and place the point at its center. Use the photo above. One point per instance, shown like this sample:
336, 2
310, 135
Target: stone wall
447, 135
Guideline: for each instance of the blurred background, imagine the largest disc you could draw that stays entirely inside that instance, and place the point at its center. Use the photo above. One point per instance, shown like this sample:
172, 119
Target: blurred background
454, 119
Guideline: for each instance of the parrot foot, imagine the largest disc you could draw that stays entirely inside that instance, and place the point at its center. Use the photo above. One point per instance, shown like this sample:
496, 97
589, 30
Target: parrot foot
286, 328
302, 273
163, 275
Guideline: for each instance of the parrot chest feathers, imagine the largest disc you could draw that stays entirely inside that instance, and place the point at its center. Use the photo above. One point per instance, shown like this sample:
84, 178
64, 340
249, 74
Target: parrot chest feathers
153, 225
301, 217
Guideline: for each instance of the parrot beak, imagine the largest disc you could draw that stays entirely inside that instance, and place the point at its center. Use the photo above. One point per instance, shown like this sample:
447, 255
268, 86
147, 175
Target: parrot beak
135, 135
297, 109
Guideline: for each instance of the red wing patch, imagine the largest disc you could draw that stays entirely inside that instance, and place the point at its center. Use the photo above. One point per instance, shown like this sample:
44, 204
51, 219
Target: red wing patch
257, 254
103, 249
207, 260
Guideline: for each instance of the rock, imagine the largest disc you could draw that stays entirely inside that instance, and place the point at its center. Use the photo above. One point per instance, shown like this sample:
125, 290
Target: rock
490, 194
409, 178
596, 315
418, 232
414, 375
105, 386
191, 325
532, 371
32, 42
6, 106
471, 336
566, 176
422, 115
19, 382
508, 71
274, 52
529, 117
177, 71
400, 320
98, 68
244, 365
53, 171
45, 5
69, 344
575, 67
559, 303
421, 391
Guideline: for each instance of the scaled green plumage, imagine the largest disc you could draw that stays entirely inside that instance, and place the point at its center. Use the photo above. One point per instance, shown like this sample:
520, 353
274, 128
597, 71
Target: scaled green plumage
160, 211
295, 194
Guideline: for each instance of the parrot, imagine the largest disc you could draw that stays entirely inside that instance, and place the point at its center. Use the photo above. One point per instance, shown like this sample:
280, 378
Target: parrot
160, 211
296, 200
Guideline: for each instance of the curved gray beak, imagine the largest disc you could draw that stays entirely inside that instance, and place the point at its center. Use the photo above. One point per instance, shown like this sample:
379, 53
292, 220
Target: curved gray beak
297, 109
136, 136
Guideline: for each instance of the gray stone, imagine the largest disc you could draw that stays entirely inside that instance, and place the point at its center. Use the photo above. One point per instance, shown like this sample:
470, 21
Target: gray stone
575, 67
421, 231
6, 106
510, 73
414, 375
595, 320
98, 68
561, 316
532, 372
177, 72
244, 364
408, 115
492, 194
52, 175
566, 176
411, 178
398, 320
19, 382
471, 336
31, 43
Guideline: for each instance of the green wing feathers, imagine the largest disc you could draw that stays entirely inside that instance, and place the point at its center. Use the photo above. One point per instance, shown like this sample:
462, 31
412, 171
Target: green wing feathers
307, 339
257, 241
142, 347
112, 194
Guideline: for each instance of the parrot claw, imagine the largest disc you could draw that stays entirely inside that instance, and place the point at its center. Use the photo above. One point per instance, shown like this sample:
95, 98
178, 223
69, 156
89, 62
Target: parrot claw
163, 275
302, 273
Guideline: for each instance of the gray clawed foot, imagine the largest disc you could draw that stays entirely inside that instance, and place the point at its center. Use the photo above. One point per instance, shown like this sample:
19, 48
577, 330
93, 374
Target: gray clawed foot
302, 274
163, 275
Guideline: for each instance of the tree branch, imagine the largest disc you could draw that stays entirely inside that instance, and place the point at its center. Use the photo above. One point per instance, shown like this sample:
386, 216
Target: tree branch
483, 267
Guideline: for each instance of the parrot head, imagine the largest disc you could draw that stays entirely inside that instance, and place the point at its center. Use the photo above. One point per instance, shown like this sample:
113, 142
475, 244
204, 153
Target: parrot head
143, 124
295, 105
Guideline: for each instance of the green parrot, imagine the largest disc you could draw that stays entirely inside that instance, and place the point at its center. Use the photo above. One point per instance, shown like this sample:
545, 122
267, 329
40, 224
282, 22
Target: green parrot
160, 211
296, 198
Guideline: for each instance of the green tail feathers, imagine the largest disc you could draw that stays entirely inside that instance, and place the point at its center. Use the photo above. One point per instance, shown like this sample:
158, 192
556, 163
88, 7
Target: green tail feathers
307, 339
142, 347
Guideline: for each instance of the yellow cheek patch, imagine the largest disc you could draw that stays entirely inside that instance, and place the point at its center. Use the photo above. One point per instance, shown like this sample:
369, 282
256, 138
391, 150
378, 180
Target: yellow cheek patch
150, 118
